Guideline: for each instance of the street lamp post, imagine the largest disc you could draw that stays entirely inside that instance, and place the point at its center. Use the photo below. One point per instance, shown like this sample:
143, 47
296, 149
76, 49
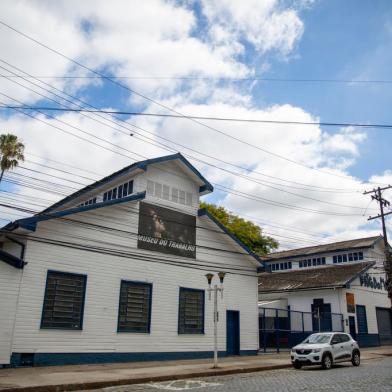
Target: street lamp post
215, 290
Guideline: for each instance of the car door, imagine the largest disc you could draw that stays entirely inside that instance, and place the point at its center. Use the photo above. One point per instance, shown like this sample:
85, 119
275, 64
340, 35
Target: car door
347, 344
337, 348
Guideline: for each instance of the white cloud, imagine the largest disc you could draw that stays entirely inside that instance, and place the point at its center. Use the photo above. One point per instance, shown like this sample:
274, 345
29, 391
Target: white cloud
161, 39
267, 25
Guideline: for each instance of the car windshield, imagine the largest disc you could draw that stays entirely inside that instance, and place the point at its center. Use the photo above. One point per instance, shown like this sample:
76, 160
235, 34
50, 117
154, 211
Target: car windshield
317, 338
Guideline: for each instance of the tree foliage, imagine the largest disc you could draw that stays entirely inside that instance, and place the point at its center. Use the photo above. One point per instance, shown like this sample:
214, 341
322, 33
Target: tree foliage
11, 152
246, 231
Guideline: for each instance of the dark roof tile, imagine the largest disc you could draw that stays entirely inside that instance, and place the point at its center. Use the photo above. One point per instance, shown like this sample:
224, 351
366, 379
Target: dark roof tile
335, 246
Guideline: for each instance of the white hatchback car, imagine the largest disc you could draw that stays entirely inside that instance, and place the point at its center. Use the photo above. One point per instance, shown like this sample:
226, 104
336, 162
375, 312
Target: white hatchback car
325, 349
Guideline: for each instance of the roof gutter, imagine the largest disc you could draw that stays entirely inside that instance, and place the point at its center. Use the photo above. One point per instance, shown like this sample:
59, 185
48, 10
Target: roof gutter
31, 223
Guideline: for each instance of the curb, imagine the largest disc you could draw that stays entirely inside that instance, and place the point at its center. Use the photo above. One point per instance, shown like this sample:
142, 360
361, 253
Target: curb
142, 380
145, 379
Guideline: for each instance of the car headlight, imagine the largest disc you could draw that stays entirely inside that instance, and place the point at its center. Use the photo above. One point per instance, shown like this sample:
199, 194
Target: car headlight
316, 350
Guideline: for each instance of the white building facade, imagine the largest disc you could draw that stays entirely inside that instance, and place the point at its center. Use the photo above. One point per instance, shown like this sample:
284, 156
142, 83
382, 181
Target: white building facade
338, 287
116, 272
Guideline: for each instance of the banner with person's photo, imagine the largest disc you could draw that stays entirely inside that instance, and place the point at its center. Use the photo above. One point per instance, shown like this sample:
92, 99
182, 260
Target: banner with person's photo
166, 231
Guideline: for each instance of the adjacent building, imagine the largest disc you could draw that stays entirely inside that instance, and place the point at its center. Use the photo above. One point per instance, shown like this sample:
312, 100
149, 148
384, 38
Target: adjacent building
334, 287
116, 272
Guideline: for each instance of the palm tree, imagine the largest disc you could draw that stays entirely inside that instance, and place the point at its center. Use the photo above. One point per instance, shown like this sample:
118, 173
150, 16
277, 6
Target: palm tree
11, 152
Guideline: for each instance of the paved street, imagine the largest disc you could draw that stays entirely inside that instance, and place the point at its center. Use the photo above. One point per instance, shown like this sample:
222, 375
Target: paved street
372, 376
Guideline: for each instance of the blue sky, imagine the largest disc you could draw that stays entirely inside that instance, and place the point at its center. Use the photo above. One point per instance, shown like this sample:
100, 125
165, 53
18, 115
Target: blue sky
347, 40
298, 39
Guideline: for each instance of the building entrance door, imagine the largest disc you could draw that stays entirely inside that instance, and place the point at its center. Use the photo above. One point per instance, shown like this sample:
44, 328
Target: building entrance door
351, 324
384, 322
233, 332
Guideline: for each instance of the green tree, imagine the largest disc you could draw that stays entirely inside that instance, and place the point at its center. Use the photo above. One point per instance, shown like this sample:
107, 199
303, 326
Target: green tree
246, 231
11, 152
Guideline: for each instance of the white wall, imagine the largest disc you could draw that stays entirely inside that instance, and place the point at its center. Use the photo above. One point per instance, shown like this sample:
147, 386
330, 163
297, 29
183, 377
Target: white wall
302, 301
105, 273
9, 289
371, 298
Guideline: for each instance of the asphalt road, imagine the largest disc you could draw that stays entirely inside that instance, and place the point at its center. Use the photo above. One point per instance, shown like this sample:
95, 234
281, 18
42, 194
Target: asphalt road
372, 375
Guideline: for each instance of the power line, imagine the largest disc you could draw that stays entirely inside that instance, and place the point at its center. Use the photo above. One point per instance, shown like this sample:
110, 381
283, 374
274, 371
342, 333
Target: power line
285, 228
161, 145
226, 189
292, 193
127, 254
133, 211
229, 119
115, 82
136, 212
131, 254
220, 78
257, 199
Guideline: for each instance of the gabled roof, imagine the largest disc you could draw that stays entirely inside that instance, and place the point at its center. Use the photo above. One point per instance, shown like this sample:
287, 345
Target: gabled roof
367, 242
204, 212
330, 276
205, 186
31, 223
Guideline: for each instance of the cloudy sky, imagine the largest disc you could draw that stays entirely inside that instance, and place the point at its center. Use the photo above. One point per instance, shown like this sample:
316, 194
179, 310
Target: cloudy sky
292, 61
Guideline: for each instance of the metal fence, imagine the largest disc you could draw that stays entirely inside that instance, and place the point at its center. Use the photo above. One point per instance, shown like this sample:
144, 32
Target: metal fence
283, 329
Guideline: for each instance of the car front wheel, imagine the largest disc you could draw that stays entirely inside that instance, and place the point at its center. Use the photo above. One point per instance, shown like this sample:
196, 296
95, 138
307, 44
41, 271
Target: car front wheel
326, 362
356, 358
297, 365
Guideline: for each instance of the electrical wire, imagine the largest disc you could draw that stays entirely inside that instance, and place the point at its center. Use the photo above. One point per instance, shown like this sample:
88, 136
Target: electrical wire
143, 96
211, 118
225, 189
316, 188
219, 78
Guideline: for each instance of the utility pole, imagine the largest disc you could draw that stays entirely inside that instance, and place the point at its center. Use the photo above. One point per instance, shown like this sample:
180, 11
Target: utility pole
377, 195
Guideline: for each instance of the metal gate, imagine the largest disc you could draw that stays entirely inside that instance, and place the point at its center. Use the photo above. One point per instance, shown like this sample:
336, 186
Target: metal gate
384, 322
282, 328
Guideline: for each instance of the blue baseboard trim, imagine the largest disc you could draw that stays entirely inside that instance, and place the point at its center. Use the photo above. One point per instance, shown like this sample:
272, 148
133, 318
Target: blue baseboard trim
58, 359
368, 340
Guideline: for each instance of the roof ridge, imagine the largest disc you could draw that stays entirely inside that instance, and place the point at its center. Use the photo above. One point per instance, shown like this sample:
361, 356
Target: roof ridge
319, 248
141, 164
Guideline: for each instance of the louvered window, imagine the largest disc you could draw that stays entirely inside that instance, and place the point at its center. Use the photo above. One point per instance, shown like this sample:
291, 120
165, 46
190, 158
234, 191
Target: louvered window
64, 301
135, 307
191, 311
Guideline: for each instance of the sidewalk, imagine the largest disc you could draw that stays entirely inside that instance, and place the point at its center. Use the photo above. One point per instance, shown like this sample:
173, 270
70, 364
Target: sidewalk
76, 377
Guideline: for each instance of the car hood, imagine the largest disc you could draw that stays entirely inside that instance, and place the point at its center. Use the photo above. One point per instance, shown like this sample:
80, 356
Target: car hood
310, 346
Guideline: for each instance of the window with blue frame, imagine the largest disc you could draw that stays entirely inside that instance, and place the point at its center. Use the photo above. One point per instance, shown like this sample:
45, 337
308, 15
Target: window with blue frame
88, 202
344, 258
312, 262
281, 266
119, 192
191, 311
63, 301
134, 311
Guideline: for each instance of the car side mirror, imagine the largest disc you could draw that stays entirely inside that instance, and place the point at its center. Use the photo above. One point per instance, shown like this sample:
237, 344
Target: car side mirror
334, 342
